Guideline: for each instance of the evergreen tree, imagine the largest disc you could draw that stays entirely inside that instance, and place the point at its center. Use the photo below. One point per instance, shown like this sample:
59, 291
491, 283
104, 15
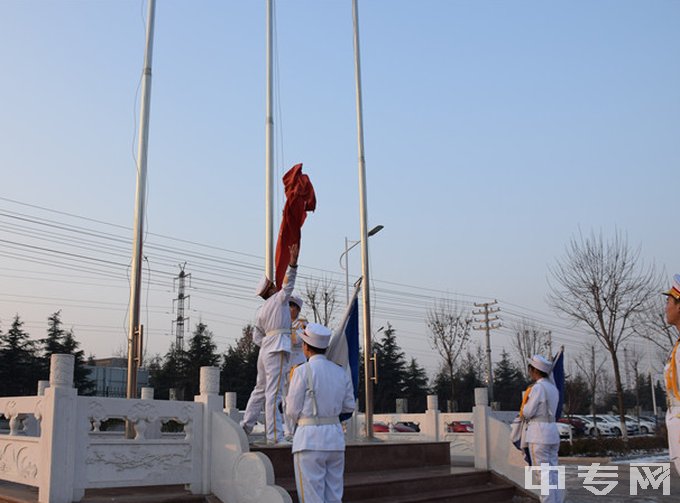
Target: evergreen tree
415, 387
60, 341
467, 377
508, 383
171, 372
239, 368
81, 376
19, 366
53, 343
202, 352
391, 372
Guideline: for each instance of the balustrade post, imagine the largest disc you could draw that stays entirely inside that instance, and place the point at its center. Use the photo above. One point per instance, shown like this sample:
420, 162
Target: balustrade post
480, 413
430, 427
42, 386
58, 438
209, 387
230, 407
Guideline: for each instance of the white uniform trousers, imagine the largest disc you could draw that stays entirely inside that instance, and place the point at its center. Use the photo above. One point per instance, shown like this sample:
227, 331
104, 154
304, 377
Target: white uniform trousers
673, 427
319, 476
276, 365
546, 453
256, 400
271, 369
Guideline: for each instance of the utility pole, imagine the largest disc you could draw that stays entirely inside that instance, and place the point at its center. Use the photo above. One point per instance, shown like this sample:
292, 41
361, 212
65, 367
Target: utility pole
626, 367
592, 400
549, 336
178, 322
488, 326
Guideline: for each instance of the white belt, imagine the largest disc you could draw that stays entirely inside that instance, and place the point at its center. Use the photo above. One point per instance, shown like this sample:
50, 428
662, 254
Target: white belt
278, 331
542, 419
317, 421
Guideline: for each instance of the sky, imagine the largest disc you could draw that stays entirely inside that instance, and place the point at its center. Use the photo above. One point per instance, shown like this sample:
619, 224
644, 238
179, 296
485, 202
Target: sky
494, 133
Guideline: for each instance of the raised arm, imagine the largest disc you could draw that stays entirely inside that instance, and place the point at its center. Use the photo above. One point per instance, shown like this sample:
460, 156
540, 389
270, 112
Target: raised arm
289, 280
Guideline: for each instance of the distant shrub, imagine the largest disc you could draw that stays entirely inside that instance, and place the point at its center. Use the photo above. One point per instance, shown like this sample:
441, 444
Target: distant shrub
612, 446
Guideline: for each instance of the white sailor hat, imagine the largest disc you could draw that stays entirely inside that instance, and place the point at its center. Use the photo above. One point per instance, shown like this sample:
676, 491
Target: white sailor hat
540, 363
674, 290
316, 335
296, 300
263, 286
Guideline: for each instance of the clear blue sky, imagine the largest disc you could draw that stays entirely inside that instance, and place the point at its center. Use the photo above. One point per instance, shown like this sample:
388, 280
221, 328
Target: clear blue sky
494, 131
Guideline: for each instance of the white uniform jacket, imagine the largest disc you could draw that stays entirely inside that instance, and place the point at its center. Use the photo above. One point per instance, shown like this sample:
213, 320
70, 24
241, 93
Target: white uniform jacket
539, 410
673, 410
272, 323
334, 395
297, 356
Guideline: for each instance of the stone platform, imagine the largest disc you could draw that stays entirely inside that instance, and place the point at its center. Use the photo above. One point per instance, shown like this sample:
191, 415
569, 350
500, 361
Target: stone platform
384, 472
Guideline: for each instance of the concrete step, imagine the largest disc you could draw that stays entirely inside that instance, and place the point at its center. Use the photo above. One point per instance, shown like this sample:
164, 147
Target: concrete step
18, 493
148, 494
367, 457
419, 485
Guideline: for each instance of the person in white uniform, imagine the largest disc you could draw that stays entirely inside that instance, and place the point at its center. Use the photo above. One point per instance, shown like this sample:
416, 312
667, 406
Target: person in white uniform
538, 409
297, 355
671, 374
272, 334
319, 392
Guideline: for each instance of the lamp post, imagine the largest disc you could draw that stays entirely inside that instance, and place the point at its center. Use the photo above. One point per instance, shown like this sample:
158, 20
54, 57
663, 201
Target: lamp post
348, 247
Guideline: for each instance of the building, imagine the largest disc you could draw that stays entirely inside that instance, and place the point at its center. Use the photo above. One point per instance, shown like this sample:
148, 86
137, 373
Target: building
110, 377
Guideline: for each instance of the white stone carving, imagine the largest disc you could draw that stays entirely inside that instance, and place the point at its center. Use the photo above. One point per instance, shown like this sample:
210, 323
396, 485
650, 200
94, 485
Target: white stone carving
209, 381
61, 370
126, 459
16, 461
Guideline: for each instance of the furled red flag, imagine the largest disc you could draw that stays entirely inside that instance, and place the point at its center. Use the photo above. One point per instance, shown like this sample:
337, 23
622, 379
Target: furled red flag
300, 199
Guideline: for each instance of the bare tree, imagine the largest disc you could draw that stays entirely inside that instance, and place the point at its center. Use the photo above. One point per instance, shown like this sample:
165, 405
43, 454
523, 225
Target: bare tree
449, 334
320, 296
604, 286
529, 340
591, 369
651, 326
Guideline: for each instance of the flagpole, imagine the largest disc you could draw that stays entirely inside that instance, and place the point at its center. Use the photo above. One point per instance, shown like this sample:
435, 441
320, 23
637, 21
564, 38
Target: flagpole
134, 329
269, 153
369, 377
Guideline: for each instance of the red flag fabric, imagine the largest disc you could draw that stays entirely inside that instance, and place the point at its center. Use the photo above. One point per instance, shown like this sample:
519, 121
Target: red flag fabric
300, 199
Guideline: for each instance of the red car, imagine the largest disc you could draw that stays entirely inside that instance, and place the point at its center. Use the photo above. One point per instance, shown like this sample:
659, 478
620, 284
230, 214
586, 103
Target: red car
460, 427
578, 425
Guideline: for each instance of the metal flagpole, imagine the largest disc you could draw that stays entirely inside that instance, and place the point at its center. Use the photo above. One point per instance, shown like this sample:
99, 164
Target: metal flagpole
269, 154
134, 330
369, 377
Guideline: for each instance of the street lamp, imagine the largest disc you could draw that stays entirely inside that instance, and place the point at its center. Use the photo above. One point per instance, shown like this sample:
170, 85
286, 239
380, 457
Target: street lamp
348, 247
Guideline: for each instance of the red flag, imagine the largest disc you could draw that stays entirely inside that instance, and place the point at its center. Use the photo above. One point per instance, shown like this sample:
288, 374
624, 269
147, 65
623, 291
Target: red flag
300, 199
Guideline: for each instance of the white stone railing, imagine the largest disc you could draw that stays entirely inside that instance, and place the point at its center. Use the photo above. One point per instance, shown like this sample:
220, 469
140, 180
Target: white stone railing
53, 442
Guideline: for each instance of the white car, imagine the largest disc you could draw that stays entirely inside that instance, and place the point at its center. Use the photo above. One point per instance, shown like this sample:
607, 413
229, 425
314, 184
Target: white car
564, 429
601, 426
645, 425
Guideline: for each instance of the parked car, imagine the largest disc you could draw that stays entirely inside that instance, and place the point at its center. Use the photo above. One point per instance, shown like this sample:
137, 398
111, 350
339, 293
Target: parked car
564, 429
631, 428
410, 424
404, 427
577, 424
599, 427
381, 427
460, 427
646, 426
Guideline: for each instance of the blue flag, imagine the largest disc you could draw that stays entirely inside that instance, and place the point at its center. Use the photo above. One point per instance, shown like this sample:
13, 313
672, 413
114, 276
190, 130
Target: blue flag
344, 346
558, 376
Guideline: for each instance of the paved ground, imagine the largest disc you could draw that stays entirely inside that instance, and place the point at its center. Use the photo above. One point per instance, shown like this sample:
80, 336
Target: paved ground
577, 493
